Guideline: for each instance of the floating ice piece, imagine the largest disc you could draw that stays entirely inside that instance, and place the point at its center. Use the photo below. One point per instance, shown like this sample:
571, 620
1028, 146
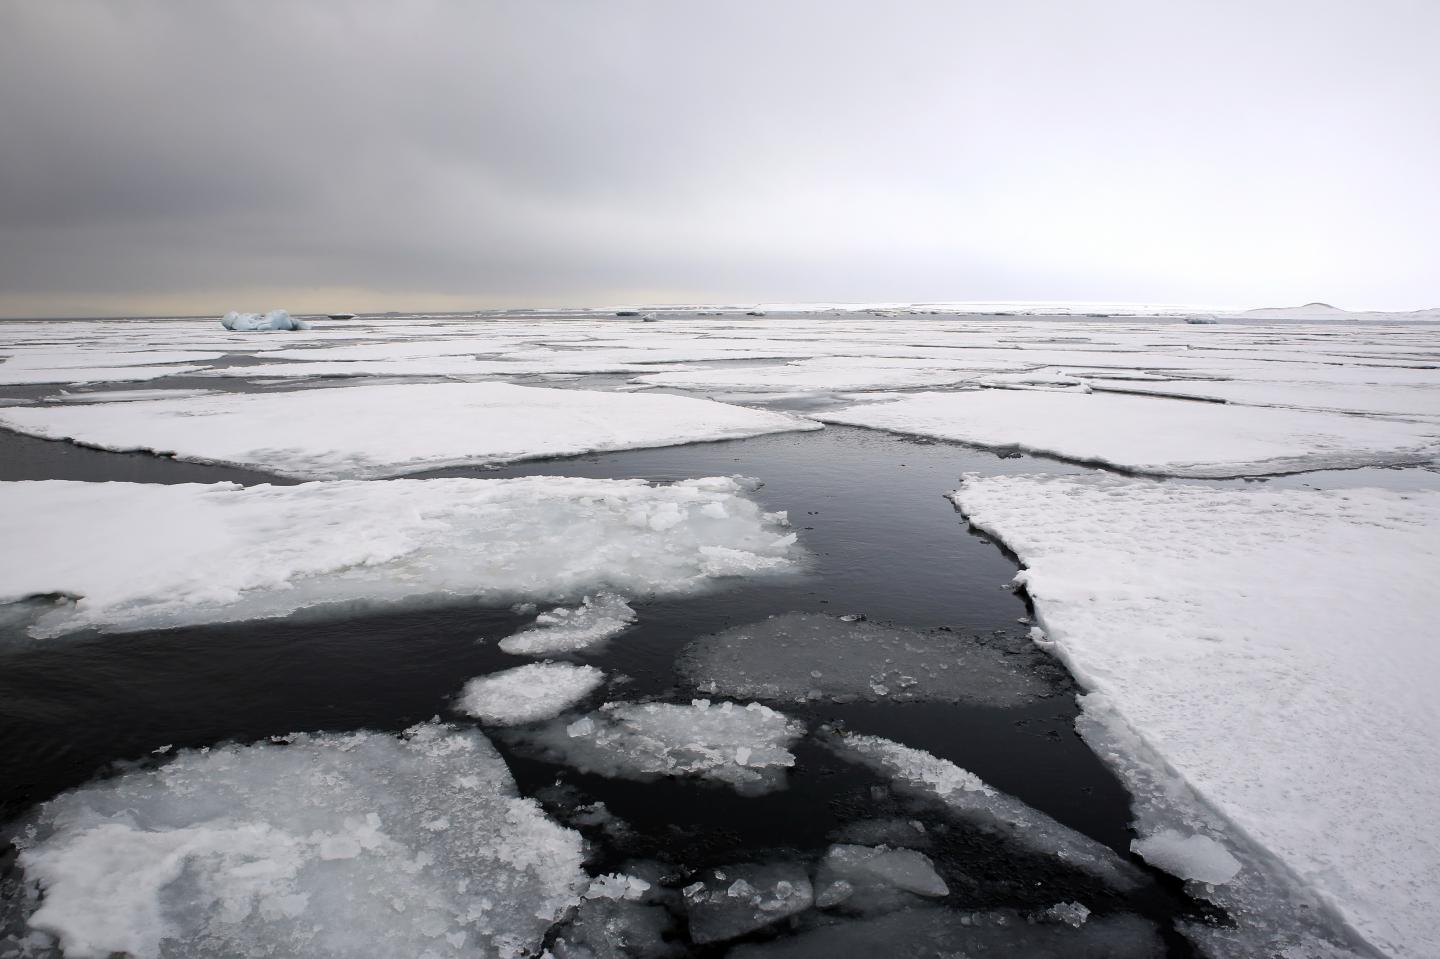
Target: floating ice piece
258, 322
739, 899
347, 845
529, 693
970, 798
1273, 648
930, 932
1195, 856
617, 886
567, 629
1147, 435
1073, 914
606, 929
370, 431
743, 746
166, 555
127, 396
798, 656
875, 879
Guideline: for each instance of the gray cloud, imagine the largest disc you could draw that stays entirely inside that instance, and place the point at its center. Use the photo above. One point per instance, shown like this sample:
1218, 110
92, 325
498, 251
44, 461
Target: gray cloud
565, 151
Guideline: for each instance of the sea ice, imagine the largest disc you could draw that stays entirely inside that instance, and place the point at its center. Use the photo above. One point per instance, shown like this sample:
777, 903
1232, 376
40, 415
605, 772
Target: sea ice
339, 844
875, 879
798, 656
257, 322
1273, 647
735, 900
968, 797
605, 929
369, 431
1149, 435
529, 693
568, 629
742, 746
21, 376
806, 376
127, 556
1193, 856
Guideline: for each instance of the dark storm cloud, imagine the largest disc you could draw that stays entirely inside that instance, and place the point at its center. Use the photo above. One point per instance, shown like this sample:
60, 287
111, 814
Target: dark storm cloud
533, 151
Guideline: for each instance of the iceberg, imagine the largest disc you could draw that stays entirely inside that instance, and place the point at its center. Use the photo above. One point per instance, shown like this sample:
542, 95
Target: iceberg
258, 322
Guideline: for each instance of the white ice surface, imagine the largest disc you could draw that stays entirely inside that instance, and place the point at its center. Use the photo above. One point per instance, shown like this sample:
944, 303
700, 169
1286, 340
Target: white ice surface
1149, 435
1275, 647
350, 845
133, 556
529, 693
370, 431
568, 629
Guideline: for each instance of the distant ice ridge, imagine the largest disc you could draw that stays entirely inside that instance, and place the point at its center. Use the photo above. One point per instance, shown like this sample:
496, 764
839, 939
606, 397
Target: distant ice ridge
363, 432
746, 747
528, 693
351, 845
568, 629
157, 556
258, 322
1149, 435
971, 798
1262, 668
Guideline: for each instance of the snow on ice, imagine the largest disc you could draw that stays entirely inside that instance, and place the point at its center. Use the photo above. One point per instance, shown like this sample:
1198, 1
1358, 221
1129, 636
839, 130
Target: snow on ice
1273, 648
127, 556
529, 693
369, 431
339, 844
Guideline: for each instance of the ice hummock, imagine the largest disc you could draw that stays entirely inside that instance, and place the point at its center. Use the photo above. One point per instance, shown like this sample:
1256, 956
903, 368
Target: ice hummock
529, 693
364, 432
746, 747
568, 629
261, 322
338, 844
969, 797
166, 555
794, 657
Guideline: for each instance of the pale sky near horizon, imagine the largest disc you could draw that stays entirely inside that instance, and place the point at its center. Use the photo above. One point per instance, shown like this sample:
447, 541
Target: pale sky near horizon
168, 156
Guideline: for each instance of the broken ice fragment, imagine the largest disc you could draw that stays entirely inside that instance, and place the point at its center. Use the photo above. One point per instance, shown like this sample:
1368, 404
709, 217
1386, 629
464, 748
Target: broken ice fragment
529, 693
759, 896
1193, 856
569, 629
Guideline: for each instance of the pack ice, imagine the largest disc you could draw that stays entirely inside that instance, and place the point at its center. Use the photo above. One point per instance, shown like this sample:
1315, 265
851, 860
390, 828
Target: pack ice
1274, 649
363, 432
347, 844
127, 556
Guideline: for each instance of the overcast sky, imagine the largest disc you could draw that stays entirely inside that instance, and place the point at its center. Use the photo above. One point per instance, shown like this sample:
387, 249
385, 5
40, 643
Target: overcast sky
200, 156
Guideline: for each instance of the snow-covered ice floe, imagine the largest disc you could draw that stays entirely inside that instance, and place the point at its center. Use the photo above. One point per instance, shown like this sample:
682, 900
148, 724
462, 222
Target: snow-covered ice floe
1271, 652
568, 629
364, 432
968, 797
795, 657
1150, 435
127, 556
746, 747
529, 693
261, 322
342, 844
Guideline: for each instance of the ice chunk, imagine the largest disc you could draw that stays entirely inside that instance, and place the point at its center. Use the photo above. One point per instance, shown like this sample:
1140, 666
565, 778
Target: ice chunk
568, 629
970, 798
1073, 914
364, 432
875, 879
1146, 435
167, 555
649, 740
606, 929
1194, 856
529, 693
617, 886
322, 847
798, 656
257, 322
739, 899
929, 933
1272, 648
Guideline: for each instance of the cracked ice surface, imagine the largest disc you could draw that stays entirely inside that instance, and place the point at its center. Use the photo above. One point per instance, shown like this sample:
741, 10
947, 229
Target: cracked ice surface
742, 746
1275, 649
166, 555
343, 844
365, 432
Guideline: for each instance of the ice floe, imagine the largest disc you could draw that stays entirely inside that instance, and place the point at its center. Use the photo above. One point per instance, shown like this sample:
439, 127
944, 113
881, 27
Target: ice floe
970, 798
796, 657
568, 629
1194, 856
342, 844
746, 747
735, 900
875, 879
1148, 435
529, 693
369, 431
126, 556
1273, 648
